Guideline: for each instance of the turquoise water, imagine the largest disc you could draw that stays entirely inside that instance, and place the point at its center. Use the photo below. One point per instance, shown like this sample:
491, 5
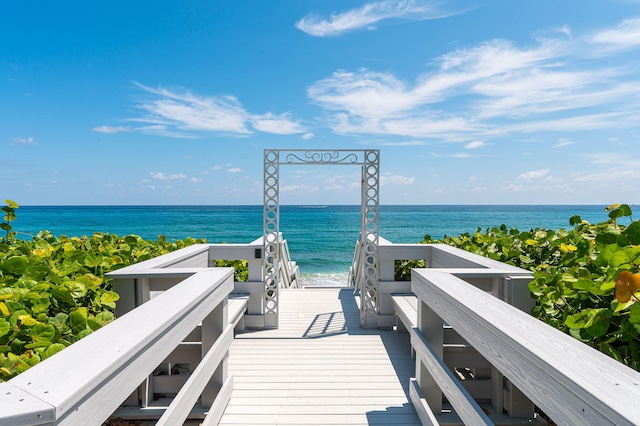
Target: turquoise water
321, 238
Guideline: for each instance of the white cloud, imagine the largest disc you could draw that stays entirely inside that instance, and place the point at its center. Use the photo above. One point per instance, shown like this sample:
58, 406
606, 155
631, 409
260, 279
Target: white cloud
495, 88
235, 170
278, 124
23, 141
563, 142
369, 14
195, 179
183, 111
404, 143
625, 35
516, 188
394, 179
299, 188
307, 136
179, 113
458, 155
111, 129
533, 175
475, 145
216, 167
162, 176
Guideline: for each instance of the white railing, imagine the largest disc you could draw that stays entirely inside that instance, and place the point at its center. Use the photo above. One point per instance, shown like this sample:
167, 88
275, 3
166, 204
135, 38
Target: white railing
356, 274
289, 270
476, 345
85, 383
166, 350
571, 382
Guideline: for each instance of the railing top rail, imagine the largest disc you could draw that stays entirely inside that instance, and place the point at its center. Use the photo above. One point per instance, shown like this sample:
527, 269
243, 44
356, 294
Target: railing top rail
121, 354
165, 260
441, 253
571, 382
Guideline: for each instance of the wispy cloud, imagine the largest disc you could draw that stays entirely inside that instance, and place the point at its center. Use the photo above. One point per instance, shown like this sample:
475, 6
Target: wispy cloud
403, 143
111, 129
235, 170
395, 179
369, 14
278, 124
533, 175
23, 141
495, 88
183, 114
162, 176
475, 145
184, 111
625, 35
563, 142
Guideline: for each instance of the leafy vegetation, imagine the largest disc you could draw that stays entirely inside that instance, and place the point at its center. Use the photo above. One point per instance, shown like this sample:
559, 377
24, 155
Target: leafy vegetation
53, 291
586, 280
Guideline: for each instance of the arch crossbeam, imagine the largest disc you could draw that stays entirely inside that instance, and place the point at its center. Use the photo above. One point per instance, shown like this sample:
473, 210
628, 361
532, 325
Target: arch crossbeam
369, 161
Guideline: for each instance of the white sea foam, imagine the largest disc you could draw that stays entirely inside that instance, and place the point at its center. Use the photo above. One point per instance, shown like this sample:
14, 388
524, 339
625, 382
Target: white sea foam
336, 279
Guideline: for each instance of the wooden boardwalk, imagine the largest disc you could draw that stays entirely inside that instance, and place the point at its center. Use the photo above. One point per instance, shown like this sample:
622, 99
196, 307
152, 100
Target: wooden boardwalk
320, 367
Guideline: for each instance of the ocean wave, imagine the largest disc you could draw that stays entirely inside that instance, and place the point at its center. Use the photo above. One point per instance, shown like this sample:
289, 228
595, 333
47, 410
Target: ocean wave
334, 279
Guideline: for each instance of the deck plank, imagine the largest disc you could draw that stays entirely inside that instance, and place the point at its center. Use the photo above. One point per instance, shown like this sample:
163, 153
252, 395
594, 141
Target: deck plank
320, 367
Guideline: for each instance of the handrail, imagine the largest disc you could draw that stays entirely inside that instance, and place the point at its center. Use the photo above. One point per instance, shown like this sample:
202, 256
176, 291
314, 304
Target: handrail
85, 383
570, 381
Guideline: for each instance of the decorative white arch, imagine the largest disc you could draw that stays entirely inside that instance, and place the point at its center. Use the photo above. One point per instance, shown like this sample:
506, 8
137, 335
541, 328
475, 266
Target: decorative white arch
369, 160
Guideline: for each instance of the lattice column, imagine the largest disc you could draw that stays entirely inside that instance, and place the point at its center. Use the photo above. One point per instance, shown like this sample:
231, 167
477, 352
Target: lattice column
371, 228
271, 234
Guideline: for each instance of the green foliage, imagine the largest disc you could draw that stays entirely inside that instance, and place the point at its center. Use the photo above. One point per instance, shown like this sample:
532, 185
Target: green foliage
586, 280
240, 268
53, 291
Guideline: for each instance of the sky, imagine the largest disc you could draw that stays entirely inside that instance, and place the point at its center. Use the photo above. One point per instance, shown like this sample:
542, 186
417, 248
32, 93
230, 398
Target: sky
174, 102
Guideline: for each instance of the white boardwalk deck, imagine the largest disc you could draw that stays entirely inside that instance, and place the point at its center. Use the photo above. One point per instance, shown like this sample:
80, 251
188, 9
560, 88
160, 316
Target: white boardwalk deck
320, 367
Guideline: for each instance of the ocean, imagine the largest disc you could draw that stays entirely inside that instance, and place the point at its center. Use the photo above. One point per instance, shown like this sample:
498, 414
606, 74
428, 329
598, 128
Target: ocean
321, 238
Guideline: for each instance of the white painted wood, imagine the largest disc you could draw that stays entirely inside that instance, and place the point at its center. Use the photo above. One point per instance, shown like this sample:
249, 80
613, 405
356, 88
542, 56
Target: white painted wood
110, 363
18, 407
172, 259
320, 367
569, 381
427, 417
465, 406
198, 380
217, 409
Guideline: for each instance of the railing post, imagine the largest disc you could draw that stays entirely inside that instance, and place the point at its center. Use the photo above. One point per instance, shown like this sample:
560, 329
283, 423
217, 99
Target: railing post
212, 327
431, 327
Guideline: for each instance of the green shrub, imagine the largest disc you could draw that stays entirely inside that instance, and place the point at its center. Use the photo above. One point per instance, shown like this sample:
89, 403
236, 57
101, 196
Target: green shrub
53, 291
586, 280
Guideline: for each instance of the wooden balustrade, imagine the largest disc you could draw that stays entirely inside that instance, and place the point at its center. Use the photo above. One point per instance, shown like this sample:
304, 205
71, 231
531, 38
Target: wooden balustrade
85, 383
569, 381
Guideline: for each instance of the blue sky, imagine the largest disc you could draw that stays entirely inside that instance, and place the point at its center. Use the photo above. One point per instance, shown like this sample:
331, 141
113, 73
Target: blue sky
173, 102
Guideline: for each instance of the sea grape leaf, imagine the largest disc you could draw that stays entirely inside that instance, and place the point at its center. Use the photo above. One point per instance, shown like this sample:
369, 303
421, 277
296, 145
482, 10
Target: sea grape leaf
108, 298
5, 327
634, 314
90, 281
43, 332
77, 321
4, 310
15, 265
77, 290
105, 317
62, 294
619, 211
632, 233
627, 284
53, 349
585, 318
